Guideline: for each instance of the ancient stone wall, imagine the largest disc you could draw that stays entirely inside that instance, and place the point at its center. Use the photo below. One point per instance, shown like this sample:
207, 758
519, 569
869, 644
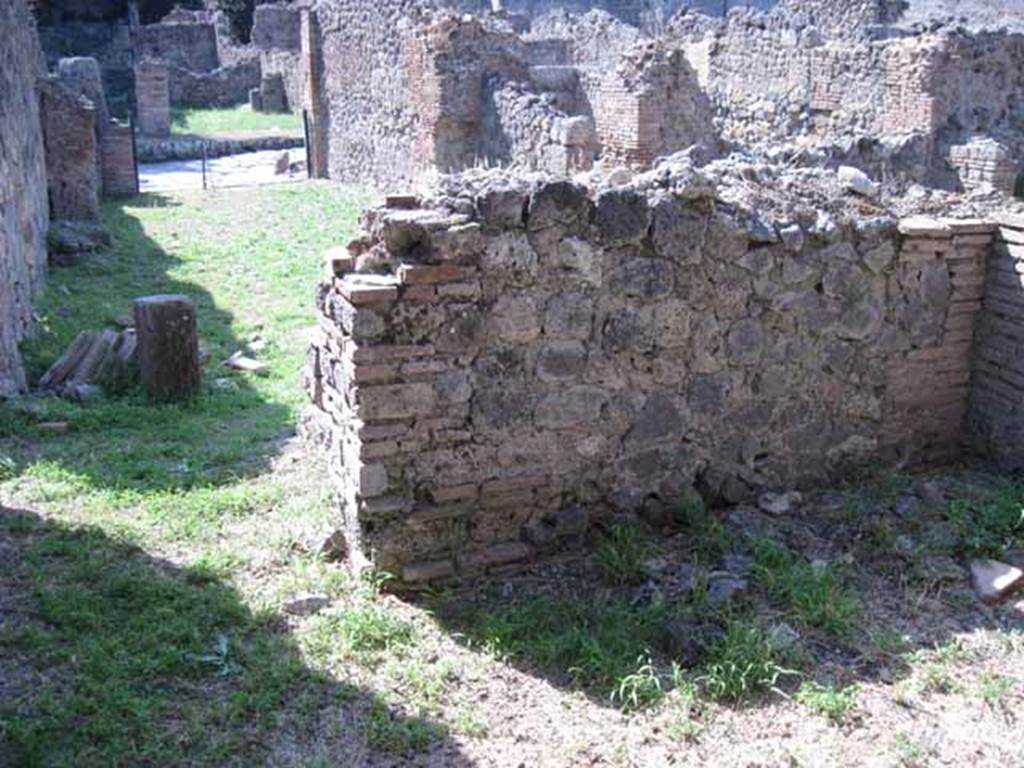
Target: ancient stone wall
23, 204
190, 46
360, 46
521, 129
997, 393
486, 365
72, 147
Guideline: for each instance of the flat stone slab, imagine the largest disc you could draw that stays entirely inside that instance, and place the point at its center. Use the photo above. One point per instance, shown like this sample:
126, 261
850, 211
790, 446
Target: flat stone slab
994, 581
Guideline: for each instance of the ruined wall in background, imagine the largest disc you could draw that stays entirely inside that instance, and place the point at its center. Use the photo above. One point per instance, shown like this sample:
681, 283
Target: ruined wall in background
110, 43
650, 104
23, 205
276, 35
368, 117
528, 349
191, 46
521, 129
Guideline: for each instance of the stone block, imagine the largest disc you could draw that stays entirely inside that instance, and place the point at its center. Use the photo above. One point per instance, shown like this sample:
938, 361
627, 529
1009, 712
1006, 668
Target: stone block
395, 401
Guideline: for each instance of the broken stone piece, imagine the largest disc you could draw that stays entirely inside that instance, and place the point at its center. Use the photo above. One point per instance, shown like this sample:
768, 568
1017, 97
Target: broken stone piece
857, 181
994, 581
239, 362
779, 503
688, 641
723, 589
306, 605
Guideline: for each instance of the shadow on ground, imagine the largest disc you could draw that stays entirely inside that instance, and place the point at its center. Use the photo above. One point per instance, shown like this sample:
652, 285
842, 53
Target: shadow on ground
121, 442
844, 590
111, 657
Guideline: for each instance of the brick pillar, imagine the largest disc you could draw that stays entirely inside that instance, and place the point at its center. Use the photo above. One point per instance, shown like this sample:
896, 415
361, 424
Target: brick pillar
117, 156
153, 98
69, 130
941, 268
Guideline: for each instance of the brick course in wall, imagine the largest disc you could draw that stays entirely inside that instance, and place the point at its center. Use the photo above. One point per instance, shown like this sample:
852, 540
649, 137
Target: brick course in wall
529, 350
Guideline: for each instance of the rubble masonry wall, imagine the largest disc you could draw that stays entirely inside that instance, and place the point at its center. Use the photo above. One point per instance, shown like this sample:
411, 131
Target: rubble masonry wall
24, 213
527, 350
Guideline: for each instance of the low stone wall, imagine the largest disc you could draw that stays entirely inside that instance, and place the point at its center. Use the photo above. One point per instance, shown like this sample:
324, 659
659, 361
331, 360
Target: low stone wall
191, 147
225, 86
490, 366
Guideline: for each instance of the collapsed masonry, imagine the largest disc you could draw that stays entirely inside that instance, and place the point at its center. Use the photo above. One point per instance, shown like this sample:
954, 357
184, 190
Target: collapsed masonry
401, 88
493, 361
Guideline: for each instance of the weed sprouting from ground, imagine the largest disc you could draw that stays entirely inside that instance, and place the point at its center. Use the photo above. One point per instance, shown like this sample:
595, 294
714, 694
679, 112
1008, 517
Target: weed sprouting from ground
743, 664
639, 689
622, 555
829, 701
709, 539
814, 594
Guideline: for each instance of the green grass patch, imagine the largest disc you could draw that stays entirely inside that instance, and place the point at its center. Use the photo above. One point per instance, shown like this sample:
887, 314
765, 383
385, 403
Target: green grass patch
394, 733
622, 556
709, 539
604, 648
988, 527
828, 701
139, 662
815, 595
127, 646
233, 121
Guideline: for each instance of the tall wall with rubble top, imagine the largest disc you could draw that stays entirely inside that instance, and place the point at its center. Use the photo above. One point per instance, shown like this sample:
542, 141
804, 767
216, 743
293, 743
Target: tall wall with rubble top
23, 203
485, 365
